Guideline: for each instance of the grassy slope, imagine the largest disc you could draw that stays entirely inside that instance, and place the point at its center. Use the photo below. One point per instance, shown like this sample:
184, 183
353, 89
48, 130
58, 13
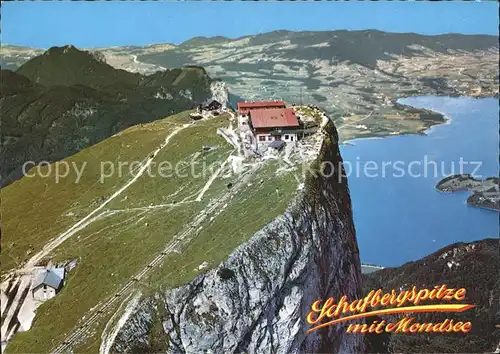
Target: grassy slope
255, 206
113, 249
35, 208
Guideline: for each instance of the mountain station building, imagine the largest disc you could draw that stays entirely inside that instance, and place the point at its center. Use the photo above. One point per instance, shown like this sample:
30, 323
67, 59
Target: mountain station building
274, 124
270, 121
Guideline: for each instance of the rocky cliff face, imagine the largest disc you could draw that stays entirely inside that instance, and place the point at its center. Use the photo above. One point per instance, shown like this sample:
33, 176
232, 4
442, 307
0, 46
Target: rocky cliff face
257, 300
220, 92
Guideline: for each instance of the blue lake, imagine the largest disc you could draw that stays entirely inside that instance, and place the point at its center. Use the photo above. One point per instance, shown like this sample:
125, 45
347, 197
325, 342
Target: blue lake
401, 217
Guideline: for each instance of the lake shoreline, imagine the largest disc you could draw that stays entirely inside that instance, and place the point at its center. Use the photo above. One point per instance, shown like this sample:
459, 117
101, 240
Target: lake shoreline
483, 193
447, 119
423, 132
415, 220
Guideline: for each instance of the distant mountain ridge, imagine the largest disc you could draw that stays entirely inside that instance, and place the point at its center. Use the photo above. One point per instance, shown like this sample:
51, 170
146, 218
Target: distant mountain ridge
68, 66
357, 46
358, 74
66, 99
362, 47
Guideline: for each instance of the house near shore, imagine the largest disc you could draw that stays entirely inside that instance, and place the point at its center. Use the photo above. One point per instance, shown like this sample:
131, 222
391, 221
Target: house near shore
48, 283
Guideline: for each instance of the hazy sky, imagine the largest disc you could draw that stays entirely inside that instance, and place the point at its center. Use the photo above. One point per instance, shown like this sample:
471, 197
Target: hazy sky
94, 24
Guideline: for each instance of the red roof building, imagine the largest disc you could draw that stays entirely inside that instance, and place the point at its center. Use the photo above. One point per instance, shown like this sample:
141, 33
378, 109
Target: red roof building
274, 124
245, 107
273, 118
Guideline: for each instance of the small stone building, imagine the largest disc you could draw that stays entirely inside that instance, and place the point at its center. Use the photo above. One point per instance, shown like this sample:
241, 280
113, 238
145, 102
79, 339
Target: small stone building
48, 283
